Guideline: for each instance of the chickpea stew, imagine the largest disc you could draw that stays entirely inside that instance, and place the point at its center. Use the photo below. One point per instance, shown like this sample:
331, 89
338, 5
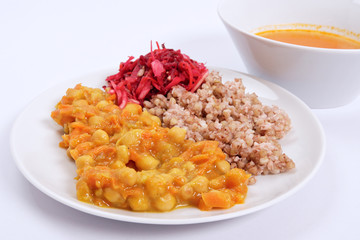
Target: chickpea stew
125, 159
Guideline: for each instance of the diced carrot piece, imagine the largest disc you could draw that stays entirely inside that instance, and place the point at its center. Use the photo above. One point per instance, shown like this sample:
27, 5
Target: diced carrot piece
78, 128
200, 159
65, 142
63, 114
203, 207
134, 191
210, 146
236, 177
217, 199
98, 177
77, 139
81, 149
103, 153
194, 149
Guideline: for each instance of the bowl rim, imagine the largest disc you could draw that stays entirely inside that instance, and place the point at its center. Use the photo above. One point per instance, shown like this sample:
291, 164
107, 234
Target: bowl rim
278, 43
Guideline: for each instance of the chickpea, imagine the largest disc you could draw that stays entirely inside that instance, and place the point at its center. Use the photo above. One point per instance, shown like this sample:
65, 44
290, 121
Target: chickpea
177, 135
96, 95
127, 175
98, 184
122, 153
133, 108
147, 162
130, 138
100, 137
143, 176
222, 166
186, 192
156, 121
176, 172
80, 103
75, 93
99, 192
84, 160
145, 118
168, 178
113, 109
218, 182
165, 203
113, 196
171, 152
117, 164
139, 203
200, 184
155, 186
115, 137
165, 150
102, 104
188, 166
96, 121
83, 192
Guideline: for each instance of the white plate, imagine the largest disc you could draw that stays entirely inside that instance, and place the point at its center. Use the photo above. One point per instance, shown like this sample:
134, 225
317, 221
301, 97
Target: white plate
35, 138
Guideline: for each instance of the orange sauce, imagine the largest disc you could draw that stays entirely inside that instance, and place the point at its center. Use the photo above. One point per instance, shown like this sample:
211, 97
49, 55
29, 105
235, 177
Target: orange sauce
311, 38
125, 159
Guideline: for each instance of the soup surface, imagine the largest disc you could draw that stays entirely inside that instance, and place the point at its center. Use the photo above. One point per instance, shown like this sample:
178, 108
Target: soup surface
311, 38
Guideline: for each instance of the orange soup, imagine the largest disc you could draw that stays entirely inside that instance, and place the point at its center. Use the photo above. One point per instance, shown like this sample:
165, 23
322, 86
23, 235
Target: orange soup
311, 38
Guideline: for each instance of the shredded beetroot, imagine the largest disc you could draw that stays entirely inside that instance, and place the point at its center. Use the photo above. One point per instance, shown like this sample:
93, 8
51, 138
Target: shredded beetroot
156, 72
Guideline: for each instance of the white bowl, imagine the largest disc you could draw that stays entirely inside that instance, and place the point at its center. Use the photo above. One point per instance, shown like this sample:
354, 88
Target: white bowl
323, 78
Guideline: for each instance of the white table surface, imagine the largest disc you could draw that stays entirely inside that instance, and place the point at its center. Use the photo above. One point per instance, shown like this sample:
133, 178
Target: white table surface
45, 42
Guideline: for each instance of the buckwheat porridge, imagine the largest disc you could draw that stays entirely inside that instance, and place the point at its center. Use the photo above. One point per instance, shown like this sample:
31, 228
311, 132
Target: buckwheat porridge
247, 130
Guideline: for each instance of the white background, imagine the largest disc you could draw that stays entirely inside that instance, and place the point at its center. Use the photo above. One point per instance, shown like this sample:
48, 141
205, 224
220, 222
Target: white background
45, 42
